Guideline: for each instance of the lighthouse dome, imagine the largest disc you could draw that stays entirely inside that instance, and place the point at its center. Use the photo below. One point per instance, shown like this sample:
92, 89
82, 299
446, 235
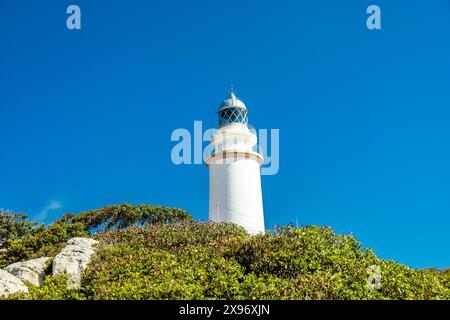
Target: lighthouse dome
232, 101
232, 110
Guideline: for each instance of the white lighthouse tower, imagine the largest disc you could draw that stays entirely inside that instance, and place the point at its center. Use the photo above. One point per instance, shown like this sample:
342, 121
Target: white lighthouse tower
234, 170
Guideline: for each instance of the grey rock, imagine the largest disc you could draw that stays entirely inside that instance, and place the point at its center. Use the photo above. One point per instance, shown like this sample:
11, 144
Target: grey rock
74, 259
32, 271
9, 284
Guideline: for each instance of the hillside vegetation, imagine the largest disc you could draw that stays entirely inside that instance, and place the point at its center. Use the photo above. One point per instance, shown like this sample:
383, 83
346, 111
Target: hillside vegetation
151, 252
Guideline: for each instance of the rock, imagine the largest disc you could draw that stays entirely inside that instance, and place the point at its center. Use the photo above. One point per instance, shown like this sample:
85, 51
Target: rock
9, 284
32, 271
73, 259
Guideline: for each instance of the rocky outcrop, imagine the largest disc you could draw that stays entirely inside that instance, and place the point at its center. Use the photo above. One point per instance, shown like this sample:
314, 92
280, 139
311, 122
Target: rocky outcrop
73, 259
9, 284
32, 271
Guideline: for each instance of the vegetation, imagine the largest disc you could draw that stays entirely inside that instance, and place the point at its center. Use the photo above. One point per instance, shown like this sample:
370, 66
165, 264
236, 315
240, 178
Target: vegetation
32, 241
14, 226
148, 252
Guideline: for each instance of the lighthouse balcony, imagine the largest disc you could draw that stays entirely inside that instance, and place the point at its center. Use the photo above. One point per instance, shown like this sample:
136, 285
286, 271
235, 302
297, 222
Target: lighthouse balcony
229, 156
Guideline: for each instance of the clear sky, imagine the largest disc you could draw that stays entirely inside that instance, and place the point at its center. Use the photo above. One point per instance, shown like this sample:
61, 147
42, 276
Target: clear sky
86, 116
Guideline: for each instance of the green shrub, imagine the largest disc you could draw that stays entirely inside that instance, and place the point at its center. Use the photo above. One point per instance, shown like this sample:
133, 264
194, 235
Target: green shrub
221, 261
402, 282
126, 215
33, 242
14, 226
41, 242
142, 256
54, 288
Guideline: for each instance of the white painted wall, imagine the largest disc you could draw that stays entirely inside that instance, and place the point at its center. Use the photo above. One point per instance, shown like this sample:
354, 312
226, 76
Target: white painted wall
235, 180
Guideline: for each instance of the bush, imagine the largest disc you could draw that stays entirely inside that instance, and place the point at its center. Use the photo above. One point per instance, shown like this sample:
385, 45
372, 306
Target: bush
54, 288
126, 215
221, 261
34, 242
41, 242
14, 226
189, 260
171, 261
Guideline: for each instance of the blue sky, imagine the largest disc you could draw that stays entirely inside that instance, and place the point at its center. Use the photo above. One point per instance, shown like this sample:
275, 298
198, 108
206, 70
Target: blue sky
86, 116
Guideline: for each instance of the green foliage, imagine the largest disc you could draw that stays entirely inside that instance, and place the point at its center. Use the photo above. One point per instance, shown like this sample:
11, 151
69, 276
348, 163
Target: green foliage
221, 261
54, 288
406, 283
150, 252
48, 241
126, 215
41, 242
14, 226
318, 263
164, 262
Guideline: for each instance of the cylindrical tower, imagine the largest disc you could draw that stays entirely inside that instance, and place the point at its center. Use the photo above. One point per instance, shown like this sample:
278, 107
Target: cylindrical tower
234, 170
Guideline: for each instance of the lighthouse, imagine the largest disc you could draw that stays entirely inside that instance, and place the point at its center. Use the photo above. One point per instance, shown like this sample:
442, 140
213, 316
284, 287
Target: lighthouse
235, 194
